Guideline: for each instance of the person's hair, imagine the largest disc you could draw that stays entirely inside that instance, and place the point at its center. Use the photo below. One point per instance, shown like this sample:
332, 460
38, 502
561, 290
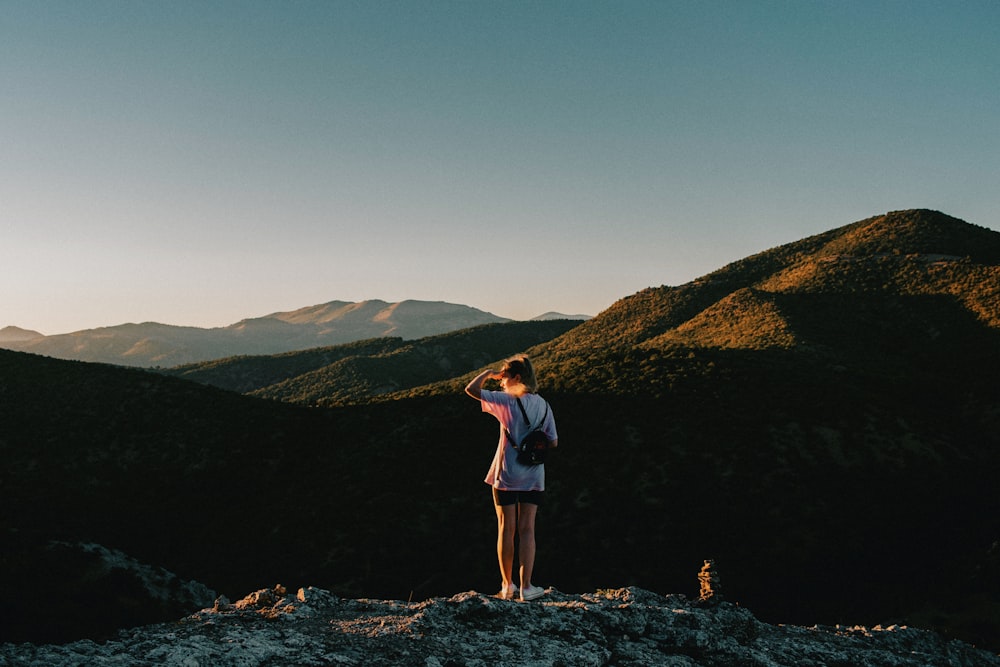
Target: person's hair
521, 365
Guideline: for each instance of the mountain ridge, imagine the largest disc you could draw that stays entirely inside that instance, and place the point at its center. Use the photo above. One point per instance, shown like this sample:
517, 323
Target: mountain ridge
748, 303
810, 266
12, 334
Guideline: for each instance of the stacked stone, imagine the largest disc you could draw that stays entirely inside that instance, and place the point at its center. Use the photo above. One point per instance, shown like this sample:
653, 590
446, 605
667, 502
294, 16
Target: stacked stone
711, 589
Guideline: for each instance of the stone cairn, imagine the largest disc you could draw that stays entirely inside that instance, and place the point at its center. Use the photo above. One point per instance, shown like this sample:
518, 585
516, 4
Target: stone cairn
711, 589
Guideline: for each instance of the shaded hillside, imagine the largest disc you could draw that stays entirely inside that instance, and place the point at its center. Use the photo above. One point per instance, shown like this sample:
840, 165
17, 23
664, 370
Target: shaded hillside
245, 374
360, 371
122, 458
822, 387
822, 419
152, 344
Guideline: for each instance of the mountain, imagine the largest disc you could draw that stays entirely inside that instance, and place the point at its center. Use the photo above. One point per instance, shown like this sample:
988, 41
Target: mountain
822, 419
628, 626
153, 344
17, 335
900, 257
360, 372
551, 315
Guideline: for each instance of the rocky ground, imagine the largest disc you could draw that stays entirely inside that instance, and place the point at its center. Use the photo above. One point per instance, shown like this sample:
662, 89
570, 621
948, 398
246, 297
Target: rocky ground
615, 627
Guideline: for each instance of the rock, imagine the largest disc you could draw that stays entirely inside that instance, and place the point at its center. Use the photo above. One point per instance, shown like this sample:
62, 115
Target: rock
709, 583
628, 626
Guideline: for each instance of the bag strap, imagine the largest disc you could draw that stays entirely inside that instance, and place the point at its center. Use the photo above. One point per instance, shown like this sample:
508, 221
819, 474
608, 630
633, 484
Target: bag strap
527, 422
524, 413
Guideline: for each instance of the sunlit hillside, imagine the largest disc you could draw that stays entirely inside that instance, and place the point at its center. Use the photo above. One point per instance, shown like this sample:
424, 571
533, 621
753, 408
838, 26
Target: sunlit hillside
839, 291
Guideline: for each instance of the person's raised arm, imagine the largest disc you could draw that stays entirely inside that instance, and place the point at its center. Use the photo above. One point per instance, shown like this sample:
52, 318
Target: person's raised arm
475, 387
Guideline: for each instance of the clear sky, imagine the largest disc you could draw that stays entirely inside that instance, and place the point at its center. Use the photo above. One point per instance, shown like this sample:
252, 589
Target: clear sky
201, 162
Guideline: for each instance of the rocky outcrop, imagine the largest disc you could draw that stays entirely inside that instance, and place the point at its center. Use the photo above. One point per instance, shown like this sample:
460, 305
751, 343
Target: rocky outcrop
68, 590
612, 627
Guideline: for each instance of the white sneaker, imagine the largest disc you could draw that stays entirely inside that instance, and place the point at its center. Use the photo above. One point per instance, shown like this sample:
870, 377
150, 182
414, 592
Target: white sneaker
531, 593
507, 593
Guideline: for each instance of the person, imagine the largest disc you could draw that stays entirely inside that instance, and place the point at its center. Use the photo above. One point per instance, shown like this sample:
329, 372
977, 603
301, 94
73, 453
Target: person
517, 488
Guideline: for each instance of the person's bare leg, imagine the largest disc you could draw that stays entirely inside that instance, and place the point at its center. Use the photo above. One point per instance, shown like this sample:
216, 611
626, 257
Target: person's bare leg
526, 536
506, 523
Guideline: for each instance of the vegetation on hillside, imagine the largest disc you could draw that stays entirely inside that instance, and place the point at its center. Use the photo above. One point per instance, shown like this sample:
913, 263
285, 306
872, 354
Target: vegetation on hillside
362, 371
249, 373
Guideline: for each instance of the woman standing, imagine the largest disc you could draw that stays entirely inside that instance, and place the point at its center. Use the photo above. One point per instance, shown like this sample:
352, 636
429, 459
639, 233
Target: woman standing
517, 488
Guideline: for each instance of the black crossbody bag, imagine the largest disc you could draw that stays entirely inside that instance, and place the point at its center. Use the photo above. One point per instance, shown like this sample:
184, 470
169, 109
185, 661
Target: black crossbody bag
532, 449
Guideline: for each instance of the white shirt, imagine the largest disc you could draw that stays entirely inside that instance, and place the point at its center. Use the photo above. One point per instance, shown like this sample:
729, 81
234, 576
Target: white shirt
505, 472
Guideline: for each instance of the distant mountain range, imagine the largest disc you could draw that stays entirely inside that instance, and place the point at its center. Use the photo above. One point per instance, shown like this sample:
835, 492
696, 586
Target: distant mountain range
17, 335
822, 419
153, 344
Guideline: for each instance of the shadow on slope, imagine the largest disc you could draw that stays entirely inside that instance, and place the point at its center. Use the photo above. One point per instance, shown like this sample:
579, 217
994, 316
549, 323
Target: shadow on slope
360, 371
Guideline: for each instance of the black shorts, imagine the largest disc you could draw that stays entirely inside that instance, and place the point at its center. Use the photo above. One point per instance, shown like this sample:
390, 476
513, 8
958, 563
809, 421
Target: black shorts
502, 498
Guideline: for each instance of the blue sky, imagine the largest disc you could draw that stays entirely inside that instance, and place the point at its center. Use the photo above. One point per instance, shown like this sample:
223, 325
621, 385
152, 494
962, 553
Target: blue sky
200, 162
